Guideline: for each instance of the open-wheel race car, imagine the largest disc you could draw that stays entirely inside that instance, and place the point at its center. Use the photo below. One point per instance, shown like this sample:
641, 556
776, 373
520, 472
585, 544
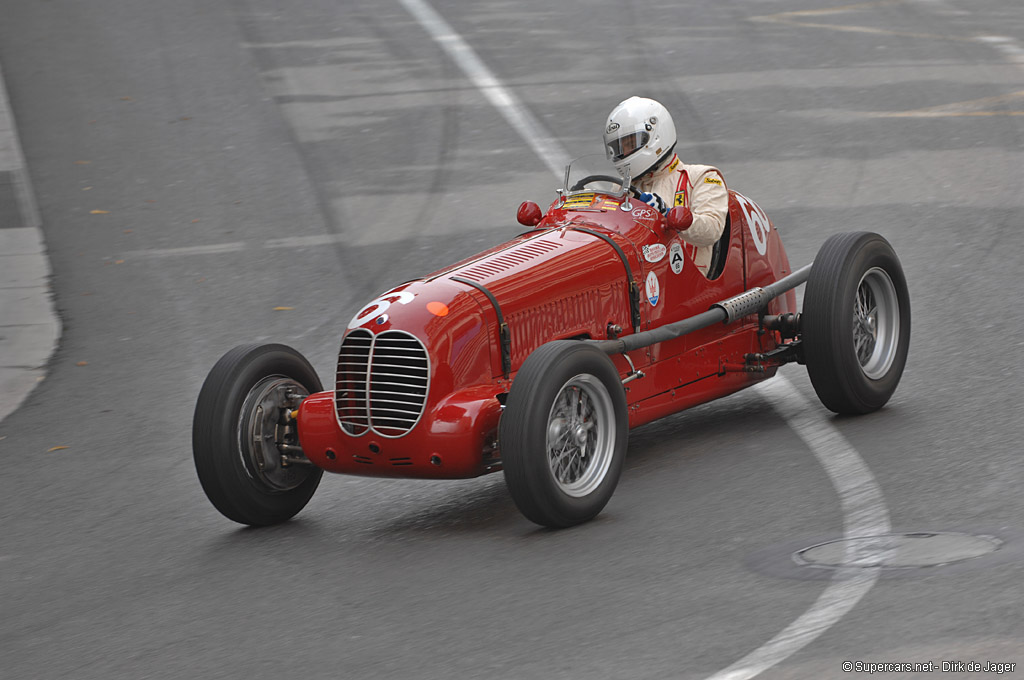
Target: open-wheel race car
537, 356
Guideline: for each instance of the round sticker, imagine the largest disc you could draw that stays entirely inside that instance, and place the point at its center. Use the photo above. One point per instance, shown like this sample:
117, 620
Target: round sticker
653, 289
654, 252
675, 258
379, 306
757, 222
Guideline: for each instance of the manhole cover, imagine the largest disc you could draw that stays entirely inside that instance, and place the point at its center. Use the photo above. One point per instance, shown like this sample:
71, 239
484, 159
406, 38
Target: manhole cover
897, 551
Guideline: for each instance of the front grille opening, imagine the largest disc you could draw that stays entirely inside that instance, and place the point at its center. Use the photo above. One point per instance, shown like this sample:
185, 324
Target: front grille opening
350, 388
382, 382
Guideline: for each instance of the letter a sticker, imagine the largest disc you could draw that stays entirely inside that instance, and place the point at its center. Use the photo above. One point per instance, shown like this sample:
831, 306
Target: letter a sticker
675, 257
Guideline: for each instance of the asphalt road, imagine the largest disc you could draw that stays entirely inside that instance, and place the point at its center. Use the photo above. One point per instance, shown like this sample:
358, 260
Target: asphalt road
254, 154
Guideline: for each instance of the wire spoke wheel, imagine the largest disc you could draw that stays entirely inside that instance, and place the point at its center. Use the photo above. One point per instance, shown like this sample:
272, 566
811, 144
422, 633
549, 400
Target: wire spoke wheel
563, 433
855, 325
579, 443
876, 323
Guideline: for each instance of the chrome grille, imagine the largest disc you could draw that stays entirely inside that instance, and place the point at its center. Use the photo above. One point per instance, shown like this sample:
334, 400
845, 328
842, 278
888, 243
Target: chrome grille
382, 382
350, 388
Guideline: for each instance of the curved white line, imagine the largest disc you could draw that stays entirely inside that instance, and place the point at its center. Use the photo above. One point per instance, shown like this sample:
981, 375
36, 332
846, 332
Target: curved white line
864, 514
504, 100
864, 510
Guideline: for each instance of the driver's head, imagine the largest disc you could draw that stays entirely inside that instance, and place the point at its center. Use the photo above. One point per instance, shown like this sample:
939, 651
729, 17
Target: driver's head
639, 133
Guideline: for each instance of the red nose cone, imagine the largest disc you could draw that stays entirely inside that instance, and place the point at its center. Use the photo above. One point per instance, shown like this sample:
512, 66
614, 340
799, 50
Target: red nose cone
680, 218
529, 214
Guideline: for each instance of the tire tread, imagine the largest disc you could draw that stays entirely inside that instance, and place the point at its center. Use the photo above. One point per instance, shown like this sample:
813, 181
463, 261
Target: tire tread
834, 372
213, 434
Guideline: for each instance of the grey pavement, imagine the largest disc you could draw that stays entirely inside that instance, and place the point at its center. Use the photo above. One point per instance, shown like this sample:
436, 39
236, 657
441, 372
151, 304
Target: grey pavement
29, 324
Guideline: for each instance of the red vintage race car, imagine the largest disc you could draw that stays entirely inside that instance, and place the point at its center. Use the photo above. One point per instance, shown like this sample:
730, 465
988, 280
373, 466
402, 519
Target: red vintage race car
537, 356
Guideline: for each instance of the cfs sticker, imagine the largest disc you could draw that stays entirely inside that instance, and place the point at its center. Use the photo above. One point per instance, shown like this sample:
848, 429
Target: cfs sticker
675, 257
653, 289
379, 306
654, 252
757, 222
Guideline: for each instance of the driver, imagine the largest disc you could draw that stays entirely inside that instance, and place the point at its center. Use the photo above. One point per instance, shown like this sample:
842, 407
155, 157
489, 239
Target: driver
640, 134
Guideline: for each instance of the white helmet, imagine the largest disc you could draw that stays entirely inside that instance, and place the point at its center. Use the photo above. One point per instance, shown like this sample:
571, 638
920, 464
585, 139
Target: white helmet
639, 133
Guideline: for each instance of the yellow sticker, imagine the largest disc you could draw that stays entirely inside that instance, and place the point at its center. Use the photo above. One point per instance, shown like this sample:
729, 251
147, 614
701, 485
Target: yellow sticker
680, 199
712, 180
674, 164
579, 200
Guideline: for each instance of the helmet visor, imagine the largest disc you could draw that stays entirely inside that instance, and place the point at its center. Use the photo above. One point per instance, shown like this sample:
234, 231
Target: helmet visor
628, 144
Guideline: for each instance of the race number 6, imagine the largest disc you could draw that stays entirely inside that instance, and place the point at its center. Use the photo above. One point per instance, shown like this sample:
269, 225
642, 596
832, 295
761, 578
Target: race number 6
379, 306
757, 221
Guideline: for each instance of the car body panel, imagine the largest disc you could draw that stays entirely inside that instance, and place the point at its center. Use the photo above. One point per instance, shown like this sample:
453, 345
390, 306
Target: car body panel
569, 277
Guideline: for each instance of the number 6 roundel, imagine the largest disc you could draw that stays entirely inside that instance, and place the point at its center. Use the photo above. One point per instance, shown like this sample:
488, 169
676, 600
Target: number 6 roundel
757, 221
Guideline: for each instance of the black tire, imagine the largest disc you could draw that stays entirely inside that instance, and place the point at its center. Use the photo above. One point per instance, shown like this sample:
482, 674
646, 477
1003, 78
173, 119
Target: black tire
532, 420
854, 357
238, 390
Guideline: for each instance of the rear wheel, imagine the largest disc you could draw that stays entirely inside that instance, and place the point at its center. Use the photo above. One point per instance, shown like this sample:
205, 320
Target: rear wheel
856, 322
240, 424
563, 434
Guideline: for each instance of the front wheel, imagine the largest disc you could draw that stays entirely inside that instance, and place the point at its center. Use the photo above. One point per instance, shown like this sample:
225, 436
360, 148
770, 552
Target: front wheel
855, 323
241, 424
563, 434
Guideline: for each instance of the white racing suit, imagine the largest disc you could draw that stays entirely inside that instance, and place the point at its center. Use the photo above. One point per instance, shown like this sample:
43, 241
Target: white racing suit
700, 188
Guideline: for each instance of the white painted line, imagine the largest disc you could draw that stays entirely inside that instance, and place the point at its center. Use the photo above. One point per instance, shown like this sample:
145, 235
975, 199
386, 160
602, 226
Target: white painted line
304, 241
213, 249
864, 514
327, 43
862, 503
235, 246
508, 105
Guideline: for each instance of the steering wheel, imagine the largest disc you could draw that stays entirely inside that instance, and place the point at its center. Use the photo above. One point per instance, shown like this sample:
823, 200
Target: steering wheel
604, 178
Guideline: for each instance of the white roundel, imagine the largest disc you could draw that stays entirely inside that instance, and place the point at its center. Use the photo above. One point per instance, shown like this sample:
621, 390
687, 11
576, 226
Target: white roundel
757, 221
675, 257
653, 289
379, 306
374, 309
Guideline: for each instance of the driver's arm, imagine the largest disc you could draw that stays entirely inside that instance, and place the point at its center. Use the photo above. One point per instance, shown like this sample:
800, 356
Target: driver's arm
709, 203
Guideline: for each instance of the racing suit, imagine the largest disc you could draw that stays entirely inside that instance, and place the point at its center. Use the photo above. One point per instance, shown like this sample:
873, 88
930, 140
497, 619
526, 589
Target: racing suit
700, 188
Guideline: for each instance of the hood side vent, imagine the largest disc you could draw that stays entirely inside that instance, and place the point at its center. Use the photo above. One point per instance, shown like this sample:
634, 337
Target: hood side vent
514, 257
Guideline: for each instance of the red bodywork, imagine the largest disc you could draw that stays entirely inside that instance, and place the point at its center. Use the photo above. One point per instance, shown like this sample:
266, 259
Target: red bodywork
427, 401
